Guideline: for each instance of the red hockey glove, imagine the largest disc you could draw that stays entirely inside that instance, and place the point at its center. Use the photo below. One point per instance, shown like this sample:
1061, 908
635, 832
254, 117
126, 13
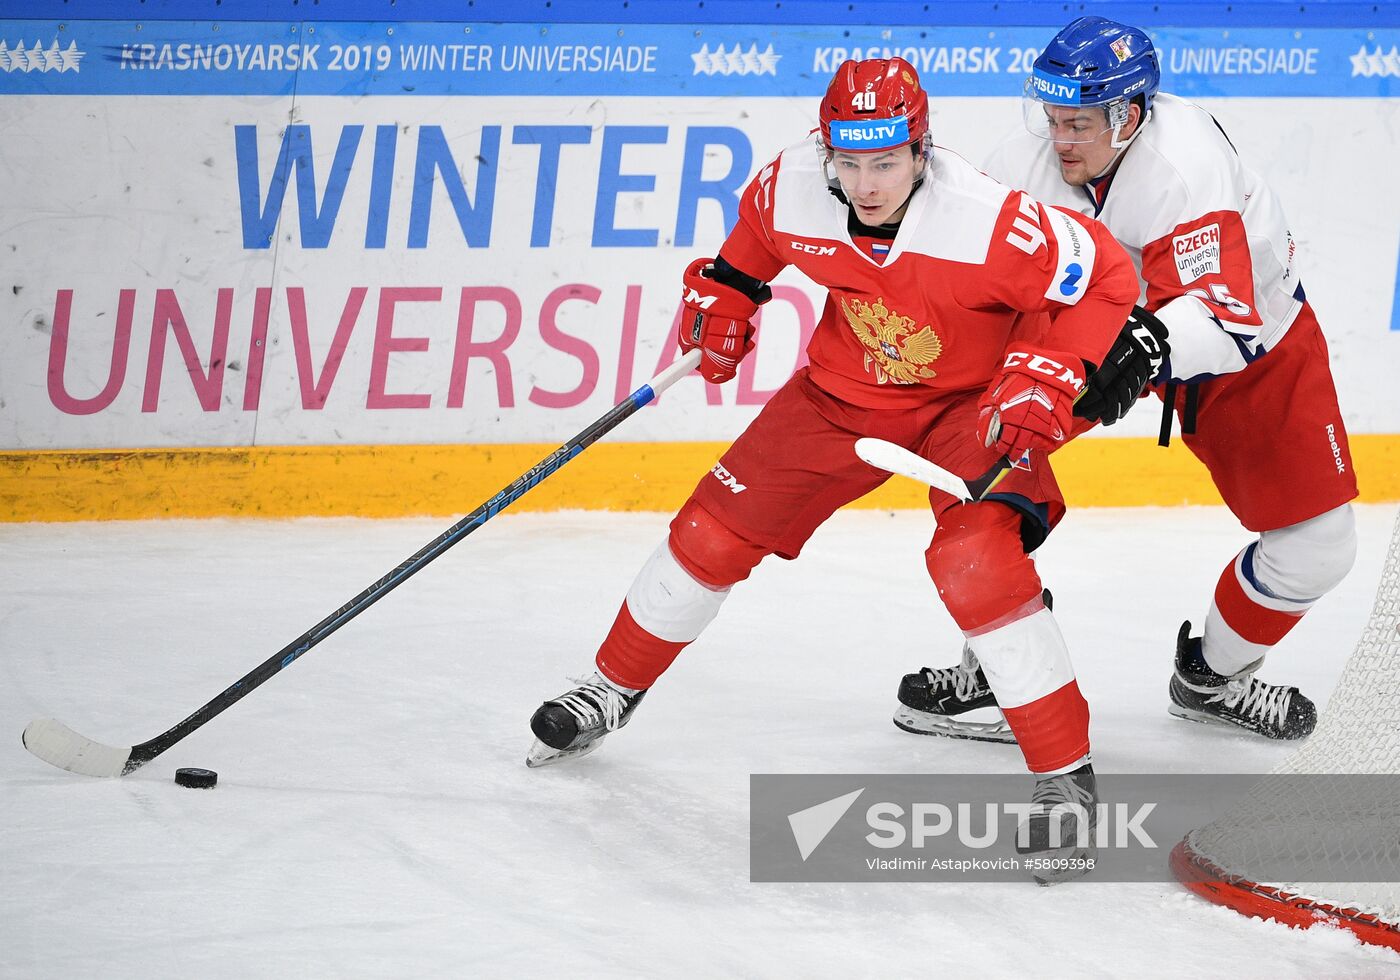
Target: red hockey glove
715, 319
1030, 402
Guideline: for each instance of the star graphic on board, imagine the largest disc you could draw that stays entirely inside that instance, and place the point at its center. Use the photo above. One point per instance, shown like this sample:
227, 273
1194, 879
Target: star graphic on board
722, 61
53, 58
39, 58
1359, 64
19, 58
1373, 63
702, 60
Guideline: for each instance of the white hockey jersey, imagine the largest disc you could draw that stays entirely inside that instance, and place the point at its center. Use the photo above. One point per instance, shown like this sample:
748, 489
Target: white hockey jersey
1213, 252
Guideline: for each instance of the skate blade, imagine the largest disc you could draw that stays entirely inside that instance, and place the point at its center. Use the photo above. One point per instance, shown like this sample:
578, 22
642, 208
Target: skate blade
927, 723
1079, 863
546, 755
1215, 721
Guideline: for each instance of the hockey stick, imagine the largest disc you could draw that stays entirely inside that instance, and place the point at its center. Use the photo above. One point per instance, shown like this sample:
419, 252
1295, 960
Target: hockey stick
60, 746
896, 459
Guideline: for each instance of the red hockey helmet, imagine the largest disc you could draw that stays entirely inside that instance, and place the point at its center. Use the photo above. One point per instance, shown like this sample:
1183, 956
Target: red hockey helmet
874, 105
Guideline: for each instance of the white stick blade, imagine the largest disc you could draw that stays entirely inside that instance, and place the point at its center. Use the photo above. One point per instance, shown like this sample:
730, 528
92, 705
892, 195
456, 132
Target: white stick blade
896, 459
60, 746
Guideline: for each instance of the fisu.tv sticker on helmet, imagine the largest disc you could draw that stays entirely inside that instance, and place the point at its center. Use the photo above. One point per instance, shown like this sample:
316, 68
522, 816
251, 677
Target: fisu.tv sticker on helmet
869, 134
1197, 253
1053, 89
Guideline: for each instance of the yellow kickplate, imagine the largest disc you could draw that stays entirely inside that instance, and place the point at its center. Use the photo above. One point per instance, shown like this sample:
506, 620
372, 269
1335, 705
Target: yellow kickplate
444, 480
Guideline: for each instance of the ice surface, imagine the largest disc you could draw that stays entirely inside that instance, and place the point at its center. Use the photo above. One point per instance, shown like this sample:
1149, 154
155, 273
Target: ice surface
374, 816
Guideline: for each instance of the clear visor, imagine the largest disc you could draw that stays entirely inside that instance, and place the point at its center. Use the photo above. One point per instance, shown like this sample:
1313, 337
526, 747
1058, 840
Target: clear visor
883, 169
1069, 123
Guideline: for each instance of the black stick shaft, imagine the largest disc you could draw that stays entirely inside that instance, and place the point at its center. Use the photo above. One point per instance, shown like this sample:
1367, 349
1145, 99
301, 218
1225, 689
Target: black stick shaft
982, 485
259, 675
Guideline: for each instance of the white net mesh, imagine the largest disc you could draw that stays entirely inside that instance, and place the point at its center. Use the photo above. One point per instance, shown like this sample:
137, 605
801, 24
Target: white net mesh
1341, 821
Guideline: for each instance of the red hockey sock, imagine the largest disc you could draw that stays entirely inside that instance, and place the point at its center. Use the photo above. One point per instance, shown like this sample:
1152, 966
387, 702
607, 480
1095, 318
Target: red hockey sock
674, 597
631, 657
1053, 730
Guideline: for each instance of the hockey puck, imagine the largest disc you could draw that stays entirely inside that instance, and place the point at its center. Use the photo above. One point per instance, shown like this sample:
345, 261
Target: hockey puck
197, 778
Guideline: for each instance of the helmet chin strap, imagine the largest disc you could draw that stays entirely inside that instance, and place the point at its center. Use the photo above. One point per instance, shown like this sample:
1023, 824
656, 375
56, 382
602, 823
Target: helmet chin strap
918, 182
1121, 145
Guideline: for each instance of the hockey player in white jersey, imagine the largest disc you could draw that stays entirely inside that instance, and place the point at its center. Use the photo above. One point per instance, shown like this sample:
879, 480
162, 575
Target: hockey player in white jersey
1247, 375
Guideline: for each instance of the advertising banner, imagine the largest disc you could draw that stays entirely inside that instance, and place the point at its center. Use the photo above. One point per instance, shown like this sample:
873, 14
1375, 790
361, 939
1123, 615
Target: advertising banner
264, 234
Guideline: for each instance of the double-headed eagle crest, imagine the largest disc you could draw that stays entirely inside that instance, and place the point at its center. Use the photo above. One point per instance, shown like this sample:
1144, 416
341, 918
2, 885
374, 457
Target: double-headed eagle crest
901, 355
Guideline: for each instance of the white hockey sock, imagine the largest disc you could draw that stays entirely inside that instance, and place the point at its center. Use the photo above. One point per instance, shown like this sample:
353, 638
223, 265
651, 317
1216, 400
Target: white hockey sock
1028, 667
670, 603
1268, 587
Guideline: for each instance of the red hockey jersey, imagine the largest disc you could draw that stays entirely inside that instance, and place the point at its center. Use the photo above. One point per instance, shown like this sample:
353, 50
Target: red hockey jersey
972, 258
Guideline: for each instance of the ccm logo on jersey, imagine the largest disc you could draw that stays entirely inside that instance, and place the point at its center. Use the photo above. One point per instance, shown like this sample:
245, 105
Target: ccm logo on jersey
811, 249
1044, 365
727, 478
1197, 253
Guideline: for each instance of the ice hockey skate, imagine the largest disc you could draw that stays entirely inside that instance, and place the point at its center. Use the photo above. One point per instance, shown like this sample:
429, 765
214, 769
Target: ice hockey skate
1242, 701
1056, 846
930, 700
576, 722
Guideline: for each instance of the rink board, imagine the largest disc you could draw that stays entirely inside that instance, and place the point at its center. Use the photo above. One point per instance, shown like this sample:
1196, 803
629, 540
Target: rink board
250, 259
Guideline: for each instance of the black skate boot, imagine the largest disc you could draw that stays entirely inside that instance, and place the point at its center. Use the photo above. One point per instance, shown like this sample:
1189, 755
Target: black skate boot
929, 700
1242, 700
1058, 846
575, 723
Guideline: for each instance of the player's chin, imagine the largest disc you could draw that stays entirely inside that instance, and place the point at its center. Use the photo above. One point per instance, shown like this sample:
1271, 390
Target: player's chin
1074, 174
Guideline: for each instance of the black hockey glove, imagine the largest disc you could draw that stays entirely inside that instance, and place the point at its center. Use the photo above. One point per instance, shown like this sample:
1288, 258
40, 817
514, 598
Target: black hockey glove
1133, 360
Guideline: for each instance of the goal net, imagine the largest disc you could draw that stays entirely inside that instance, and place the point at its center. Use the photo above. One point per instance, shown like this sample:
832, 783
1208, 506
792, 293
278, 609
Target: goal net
1318, 810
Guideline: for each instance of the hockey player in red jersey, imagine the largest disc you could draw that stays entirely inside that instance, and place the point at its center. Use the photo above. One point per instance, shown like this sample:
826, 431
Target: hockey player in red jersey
1247, 375
960, 323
